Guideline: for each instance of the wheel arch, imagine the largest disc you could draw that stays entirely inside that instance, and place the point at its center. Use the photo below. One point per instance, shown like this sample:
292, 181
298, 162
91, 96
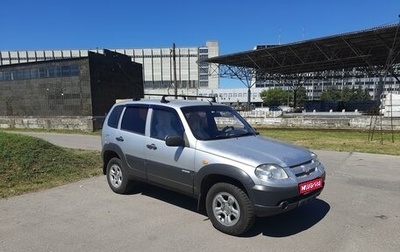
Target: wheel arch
110, 151
211, 174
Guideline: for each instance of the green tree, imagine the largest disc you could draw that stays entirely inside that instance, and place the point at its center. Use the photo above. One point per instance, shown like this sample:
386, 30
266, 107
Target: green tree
274, 97
301, 97
345, 95
361, 95
331, 94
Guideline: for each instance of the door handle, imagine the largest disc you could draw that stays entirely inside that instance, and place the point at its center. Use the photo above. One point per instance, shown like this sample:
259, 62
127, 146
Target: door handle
151, 146
119, 139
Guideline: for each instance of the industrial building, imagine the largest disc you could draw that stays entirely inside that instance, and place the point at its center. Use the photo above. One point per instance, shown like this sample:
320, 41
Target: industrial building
84, 86
355, 60
193, 74
163, 68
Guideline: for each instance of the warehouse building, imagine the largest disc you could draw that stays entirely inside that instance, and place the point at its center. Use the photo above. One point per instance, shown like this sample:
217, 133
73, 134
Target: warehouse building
70, 87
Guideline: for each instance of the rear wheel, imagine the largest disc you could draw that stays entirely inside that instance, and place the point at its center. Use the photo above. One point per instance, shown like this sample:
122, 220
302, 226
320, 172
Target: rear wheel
116, 177
229, 209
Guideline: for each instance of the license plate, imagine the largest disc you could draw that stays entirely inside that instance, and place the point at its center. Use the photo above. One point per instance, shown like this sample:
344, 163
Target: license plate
310, 186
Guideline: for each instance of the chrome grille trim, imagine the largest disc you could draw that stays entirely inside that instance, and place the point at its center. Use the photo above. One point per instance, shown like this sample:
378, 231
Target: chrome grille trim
304, 169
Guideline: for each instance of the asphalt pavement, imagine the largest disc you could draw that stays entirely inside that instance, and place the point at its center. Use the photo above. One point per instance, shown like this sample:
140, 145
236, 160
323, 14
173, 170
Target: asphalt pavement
357, 211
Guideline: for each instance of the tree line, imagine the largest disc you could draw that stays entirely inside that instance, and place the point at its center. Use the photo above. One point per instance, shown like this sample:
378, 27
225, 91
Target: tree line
298, 96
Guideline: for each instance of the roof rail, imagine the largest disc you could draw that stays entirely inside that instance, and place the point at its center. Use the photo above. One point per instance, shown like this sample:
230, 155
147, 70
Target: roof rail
185, 97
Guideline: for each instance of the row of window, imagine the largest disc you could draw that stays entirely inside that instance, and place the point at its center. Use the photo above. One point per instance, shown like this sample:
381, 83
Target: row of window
225, 95
164, 56
389, 80
203, 70
39, 73
203, 83
33, 59
169, 84
203, 50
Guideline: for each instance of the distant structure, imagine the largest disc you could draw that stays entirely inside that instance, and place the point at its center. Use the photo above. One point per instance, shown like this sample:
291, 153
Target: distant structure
158, 66
187, 69
75, 86
346, 78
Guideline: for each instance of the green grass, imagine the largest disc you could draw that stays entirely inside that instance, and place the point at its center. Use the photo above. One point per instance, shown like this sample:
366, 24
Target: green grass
29, 164
63, 131
339, 140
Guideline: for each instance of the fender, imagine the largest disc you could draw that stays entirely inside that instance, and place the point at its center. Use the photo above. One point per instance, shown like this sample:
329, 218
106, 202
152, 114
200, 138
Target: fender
222, 170
112, 147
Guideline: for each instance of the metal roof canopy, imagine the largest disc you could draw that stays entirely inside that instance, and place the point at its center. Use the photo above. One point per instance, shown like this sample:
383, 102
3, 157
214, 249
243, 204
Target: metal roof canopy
376, 49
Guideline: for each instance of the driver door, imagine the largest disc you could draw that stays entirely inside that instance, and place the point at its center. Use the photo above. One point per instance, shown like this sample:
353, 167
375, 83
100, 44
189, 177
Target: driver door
171, 166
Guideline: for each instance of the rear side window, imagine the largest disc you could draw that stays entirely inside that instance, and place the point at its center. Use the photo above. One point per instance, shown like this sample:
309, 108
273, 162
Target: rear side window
113, 119
134, 119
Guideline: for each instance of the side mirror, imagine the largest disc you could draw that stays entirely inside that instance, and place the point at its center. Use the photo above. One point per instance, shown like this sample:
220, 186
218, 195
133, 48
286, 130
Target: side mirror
255, 129
174, 141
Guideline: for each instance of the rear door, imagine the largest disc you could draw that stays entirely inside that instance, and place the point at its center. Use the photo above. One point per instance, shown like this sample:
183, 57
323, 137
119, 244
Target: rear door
131, 138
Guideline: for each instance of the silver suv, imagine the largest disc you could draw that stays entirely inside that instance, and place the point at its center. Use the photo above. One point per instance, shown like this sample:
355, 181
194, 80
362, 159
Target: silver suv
208, 151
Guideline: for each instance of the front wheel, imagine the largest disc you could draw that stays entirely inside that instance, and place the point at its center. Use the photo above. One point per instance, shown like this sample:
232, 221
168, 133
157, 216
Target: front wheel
229, 209
116, 177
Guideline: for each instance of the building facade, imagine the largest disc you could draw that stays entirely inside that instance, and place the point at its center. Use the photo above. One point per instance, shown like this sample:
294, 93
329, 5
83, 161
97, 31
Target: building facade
316, 86
79, 86
163, 68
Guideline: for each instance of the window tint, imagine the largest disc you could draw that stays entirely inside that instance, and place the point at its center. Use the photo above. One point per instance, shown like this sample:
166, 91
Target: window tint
164, 123
216, 122
134, 119
199, 124
113, 119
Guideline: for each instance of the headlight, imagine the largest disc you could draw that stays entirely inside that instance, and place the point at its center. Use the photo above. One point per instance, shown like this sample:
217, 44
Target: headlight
268, 172
314, 158
316, 162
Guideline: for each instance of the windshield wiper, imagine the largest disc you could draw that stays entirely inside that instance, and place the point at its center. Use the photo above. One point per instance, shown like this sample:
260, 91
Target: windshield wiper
223, 136
247, 134
235, 135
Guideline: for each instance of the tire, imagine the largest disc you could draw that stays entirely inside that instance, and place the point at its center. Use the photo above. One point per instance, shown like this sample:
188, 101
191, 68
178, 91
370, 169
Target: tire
116, 177
229, 209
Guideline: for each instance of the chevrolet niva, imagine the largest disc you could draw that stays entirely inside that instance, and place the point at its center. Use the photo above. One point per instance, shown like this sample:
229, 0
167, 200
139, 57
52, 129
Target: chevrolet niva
208, 151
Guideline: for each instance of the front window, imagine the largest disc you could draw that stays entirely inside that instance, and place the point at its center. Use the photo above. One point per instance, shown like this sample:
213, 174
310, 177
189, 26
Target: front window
165, 123
216, 122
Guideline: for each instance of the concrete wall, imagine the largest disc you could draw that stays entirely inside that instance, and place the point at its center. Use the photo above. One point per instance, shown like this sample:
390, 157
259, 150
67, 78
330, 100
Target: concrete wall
86, 123
91, 123
355, 123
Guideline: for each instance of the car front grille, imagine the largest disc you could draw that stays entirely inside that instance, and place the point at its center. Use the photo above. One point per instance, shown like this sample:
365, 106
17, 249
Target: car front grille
304, 169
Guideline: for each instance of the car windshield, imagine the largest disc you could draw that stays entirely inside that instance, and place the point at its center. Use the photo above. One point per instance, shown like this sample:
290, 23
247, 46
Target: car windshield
216, 122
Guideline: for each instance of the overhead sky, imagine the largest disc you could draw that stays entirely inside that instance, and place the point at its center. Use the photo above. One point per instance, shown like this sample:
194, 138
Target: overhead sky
237, 25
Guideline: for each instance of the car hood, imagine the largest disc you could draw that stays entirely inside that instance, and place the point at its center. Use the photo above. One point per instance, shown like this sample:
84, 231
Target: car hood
256, 150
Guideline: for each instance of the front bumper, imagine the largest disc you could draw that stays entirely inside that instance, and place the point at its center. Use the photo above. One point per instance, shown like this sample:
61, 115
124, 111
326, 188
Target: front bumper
275, 200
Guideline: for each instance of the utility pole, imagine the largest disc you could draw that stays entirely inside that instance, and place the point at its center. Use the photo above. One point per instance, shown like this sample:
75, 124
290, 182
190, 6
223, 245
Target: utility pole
175, 81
